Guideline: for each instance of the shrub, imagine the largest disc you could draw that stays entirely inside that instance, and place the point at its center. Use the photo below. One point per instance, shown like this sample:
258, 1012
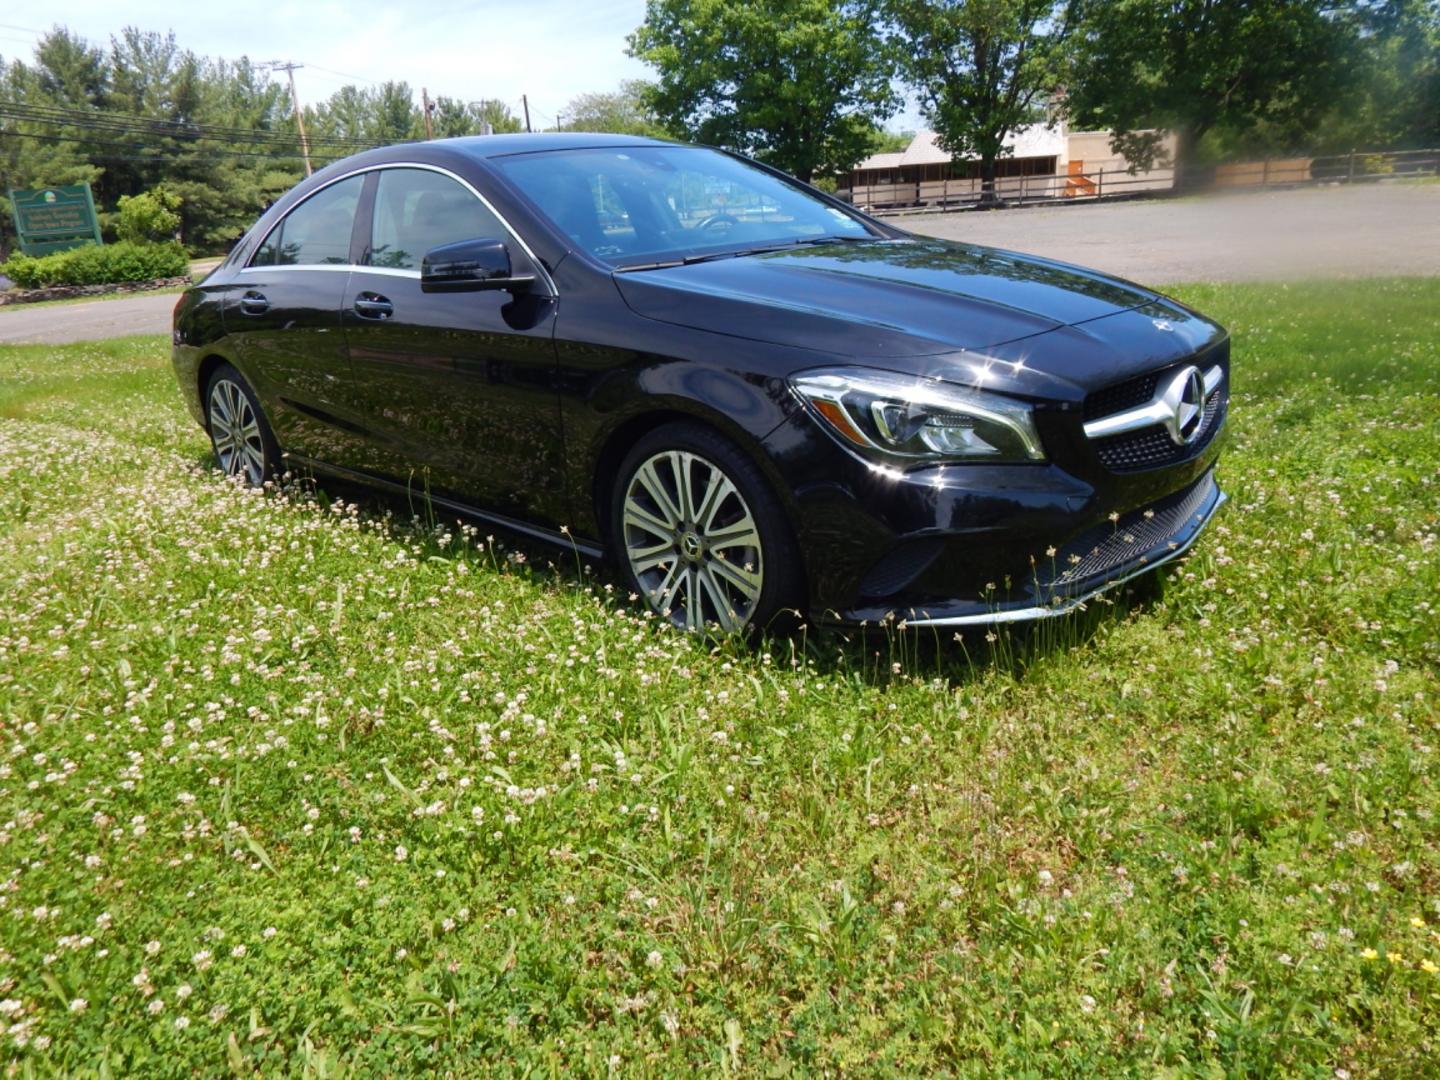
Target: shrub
92, 265
149, 216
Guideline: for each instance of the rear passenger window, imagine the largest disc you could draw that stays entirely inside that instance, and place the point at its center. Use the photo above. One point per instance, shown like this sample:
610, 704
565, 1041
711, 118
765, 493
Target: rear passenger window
317, 232
416, 210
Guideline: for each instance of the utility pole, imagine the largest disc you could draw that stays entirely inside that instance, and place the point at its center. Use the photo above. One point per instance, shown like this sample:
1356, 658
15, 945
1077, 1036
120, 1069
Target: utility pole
525, 101
425, 100
289, 67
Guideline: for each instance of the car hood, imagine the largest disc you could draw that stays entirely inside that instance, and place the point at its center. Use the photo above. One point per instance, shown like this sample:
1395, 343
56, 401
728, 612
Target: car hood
880, 298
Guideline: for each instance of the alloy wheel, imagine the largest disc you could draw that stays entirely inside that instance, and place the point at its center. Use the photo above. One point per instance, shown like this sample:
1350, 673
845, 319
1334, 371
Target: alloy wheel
235, 431
692, 542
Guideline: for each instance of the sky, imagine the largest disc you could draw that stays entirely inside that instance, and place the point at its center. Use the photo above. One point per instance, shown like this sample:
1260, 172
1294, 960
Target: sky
466, 49
550, 50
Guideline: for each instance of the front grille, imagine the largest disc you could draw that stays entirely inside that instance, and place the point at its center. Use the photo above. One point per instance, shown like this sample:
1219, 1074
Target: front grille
1129, 394
1152, 448
1109, 546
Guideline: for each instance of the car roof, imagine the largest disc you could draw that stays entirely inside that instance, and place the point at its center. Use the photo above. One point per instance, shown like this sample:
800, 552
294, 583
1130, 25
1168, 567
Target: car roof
489, 146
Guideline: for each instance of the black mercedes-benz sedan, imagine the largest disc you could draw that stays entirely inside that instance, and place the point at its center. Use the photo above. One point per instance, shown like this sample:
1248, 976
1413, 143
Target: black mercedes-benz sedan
749, 395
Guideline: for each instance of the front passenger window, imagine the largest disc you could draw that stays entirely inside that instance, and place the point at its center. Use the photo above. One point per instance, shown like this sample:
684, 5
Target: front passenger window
417, 210
317, 232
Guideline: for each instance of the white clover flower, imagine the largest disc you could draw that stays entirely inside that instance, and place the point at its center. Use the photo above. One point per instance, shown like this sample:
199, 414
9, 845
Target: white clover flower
401, 854
653, 959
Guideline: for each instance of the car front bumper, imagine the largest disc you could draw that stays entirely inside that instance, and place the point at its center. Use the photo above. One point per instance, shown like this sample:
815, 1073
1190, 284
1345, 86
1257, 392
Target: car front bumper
1095, 563
969, 545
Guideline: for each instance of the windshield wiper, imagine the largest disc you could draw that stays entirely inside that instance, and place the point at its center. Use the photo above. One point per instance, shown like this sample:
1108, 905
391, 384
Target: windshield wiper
709, 256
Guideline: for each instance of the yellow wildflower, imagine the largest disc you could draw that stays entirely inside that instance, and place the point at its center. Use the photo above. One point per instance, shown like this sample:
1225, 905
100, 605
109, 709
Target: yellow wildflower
1417, 922
1369, 954
1429, 967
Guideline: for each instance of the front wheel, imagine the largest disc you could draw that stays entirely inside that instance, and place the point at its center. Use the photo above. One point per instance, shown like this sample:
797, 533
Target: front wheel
700, 535
243, 442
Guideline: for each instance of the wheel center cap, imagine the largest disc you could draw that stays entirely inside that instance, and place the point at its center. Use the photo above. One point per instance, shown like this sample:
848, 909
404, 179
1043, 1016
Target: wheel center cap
690, 546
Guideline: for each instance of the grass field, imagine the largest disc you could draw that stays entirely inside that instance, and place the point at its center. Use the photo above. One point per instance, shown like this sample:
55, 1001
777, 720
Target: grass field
290, 788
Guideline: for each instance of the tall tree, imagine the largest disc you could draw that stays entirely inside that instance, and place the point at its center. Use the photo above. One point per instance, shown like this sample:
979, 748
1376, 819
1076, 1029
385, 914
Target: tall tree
983, 69
625, 111
501, 120
1396, 98
453, 117
1192, 67
797, 83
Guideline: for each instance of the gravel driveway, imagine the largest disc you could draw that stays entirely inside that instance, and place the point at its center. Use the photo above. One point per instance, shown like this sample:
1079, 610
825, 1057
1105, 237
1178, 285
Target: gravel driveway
1362, 231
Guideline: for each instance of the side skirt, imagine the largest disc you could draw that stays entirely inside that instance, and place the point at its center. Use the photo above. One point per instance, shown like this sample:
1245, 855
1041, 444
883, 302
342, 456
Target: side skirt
588, 548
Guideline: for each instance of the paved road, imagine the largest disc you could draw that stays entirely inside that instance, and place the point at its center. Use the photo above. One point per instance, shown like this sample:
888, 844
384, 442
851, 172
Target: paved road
58, 323
1362, 231
1365, 231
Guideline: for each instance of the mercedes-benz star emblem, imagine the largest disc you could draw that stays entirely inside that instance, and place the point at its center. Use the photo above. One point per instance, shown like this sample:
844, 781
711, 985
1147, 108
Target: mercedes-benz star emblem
1184, 399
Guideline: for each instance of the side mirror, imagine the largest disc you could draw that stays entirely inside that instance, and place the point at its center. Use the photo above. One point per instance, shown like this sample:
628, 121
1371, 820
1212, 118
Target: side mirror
469, 266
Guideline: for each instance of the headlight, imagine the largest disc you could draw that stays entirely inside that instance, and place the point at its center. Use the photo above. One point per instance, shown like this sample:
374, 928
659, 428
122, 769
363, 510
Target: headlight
908, 417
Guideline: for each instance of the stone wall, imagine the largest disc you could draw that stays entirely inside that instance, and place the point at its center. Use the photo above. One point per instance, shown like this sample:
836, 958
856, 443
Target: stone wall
66, 292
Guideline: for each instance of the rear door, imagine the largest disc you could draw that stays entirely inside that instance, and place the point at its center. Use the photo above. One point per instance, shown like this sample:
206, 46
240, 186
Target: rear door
283, 314
456, 388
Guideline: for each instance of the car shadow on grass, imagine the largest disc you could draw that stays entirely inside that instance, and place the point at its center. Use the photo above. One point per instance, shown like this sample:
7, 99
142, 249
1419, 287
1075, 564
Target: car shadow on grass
880, 654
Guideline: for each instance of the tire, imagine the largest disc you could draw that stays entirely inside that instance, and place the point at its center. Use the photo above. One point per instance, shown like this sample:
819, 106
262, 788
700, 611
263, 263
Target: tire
239, 433
700, 535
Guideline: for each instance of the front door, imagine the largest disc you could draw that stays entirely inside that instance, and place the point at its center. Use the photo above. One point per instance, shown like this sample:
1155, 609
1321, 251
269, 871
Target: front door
456, 388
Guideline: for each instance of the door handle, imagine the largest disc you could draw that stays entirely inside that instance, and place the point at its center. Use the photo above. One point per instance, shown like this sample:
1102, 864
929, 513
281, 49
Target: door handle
369, 305
254, 303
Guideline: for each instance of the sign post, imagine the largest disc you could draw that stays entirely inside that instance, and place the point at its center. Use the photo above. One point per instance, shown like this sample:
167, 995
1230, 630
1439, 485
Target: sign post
55, 219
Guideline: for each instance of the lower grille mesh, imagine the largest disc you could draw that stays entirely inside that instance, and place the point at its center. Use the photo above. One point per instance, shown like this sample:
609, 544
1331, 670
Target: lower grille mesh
1100, 551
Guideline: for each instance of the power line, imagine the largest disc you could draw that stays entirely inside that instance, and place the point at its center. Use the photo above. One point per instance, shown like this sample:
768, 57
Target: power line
345, 75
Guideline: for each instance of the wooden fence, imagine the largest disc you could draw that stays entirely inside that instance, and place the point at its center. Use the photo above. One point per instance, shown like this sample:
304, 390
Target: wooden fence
1084, 184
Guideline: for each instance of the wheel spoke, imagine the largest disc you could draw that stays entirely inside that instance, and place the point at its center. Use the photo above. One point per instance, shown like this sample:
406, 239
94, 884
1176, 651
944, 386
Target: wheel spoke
641, 518
694, 618
740, 534
668, 584
232, 402
255, 464
655, 487
743, 579
725, 611
716, 493
643, 559
684, 466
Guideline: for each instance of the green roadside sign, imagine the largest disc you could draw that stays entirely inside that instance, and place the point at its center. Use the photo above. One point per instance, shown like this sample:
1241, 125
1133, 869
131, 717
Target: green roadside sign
55, 219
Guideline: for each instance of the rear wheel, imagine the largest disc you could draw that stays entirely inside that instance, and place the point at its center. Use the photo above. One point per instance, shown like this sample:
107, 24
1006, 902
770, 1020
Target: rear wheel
243, 442
700, 535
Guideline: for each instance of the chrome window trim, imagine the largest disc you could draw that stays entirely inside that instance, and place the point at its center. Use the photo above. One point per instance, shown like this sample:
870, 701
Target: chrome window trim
504, 224
348, 268
1157, 410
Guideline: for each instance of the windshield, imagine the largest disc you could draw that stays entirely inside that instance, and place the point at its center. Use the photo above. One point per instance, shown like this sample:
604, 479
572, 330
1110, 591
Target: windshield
640, 205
